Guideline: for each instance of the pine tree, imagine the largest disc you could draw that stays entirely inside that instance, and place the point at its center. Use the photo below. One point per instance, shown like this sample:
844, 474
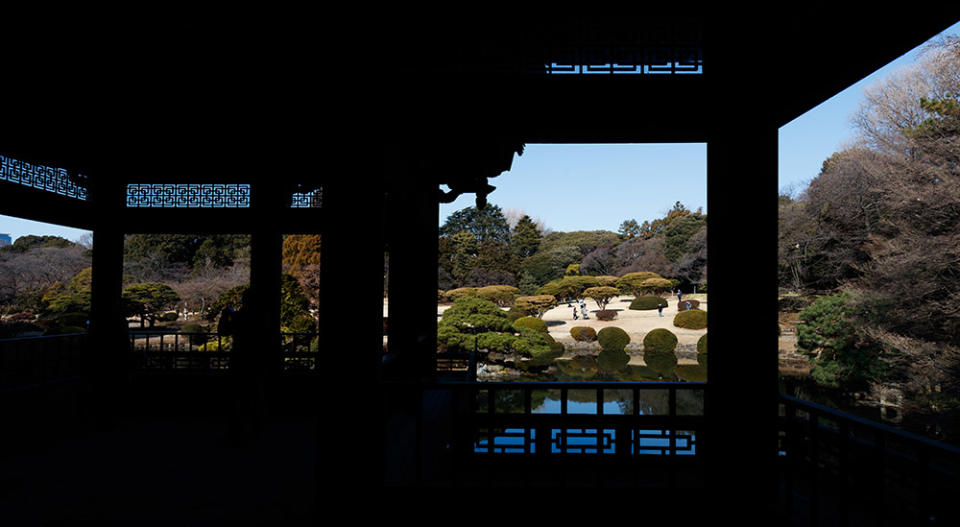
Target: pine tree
526, 237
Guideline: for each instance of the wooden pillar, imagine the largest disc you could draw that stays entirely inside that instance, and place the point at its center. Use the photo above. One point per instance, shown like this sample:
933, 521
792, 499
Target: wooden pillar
741, 402
412, 231
350, 422
265, 278
108, 357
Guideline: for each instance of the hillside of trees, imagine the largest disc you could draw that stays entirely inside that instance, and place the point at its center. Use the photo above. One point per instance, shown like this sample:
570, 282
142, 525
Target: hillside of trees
45, 281
480, 248
870, 249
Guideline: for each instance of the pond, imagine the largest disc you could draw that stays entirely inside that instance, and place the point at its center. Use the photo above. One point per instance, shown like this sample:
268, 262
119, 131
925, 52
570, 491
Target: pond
943, 427
584, 401
607, 366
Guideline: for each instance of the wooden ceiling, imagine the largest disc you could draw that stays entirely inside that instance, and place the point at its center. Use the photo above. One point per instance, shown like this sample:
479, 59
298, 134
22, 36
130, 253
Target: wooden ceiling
174, 102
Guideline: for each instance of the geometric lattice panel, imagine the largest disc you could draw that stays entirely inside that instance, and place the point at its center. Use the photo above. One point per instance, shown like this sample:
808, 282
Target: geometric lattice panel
663, 57
188, 195
583, 441
573, 441
505, 441
55, 180
307, 200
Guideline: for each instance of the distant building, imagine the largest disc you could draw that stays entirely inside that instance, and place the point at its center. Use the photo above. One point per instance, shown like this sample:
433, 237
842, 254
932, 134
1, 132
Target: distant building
5, 239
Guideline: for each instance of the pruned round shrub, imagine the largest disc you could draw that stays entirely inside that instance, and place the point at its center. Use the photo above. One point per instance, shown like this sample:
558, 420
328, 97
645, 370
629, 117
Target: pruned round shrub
687, 304
533, 323
660, 340
632, 281
535, 344
645, 303
441, 296
606, 315
583, 333
170, 316
473, 315
461, 292
513, 314
501, 295
692, 319
535, 305
613, 339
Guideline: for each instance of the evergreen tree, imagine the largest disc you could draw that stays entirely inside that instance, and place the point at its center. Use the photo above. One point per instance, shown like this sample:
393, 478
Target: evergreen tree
488, 224
629, 229
525, 238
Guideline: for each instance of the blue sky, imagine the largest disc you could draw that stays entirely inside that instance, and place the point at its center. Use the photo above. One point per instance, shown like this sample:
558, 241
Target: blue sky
594, 187
17, 227
809, 139
591, 187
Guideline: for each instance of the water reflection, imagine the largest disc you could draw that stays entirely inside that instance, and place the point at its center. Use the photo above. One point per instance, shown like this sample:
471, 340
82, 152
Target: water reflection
584, 401
609, 366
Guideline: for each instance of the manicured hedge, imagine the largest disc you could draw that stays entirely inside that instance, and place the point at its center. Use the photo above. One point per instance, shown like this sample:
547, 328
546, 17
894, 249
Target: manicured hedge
533, 323
645, 303
501, 295
583, 334
692, 319
613, 339
454, 294
514, 314
662, 340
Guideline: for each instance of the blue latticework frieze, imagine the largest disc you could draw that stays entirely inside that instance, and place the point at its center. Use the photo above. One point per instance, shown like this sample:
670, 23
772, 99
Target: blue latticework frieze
646, 51
307, 200
189, 195
56, 180
603, 441
651, 61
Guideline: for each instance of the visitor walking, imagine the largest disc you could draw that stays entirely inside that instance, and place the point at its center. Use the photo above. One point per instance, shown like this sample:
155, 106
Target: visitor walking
660, 309
679, 296
575, 312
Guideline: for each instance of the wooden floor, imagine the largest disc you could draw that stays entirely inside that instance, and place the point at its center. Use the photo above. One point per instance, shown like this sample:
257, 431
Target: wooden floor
163, 472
